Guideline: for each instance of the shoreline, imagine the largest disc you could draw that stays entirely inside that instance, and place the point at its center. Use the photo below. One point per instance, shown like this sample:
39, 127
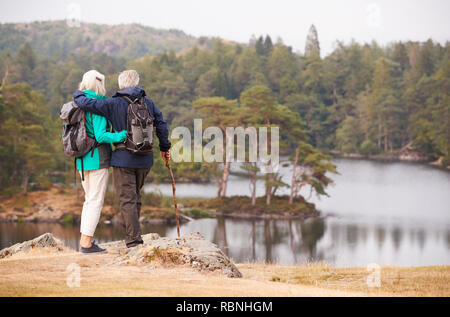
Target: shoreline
10, 218
250, 216
61, 205
391, 157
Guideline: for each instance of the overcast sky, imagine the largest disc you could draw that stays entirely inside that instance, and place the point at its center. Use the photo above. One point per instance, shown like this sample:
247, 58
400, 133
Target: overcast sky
238, 20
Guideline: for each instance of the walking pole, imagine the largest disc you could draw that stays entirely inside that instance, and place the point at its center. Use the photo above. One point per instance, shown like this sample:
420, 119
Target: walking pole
174, 197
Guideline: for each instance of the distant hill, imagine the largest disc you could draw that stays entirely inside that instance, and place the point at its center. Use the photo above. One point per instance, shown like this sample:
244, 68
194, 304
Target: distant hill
56, 38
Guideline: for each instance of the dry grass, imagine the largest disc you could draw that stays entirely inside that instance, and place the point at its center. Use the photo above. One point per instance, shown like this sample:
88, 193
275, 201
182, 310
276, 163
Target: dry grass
394, 281
44, 273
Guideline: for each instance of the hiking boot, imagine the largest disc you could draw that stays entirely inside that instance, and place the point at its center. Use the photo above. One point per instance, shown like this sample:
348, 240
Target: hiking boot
94, 248
134, 244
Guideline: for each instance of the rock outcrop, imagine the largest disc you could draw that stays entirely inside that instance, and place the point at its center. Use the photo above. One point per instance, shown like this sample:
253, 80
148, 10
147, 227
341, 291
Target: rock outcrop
47, 240
410, 153
192, 250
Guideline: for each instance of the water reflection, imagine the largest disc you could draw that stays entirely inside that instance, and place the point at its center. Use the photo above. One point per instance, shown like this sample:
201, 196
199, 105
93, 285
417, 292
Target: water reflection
328, 239
220, 235
11, 233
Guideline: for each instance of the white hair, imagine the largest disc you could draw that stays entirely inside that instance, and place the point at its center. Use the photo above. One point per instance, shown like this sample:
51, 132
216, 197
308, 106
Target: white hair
128, 78
93, 80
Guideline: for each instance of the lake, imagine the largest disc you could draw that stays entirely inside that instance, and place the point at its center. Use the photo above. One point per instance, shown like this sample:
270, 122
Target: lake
389, 213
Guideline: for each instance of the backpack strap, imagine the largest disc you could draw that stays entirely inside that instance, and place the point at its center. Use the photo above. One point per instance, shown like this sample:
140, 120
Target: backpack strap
82, 169
128, 99
95, 140
75, 169
93, 148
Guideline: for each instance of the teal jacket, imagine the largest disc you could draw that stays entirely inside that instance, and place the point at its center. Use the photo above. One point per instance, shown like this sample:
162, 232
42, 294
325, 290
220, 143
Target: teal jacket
98, 128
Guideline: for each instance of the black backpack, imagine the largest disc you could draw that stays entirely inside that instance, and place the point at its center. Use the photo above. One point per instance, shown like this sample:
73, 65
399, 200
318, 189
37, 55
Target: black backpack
139, 127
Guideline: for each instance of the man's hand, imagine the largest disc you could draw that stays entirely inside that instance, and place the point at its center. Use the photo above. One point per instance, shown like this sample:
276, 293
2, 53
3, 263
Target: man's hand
166, 156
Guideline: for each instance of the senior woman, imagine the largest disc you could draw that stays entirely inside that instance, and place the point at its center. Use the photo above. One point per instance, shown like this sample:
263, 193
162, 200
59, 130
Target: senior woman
95, 164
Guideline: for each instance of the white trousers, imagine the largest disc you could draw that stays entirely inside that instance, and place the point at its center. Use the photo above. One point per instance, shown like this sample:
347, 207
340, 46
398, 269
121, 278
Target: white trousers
94, 185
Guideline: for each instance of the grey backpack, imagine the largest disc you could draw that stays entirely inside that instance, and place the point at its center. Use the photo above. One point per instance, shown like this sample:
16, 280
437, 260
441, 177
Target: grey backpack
76, 141
139, 127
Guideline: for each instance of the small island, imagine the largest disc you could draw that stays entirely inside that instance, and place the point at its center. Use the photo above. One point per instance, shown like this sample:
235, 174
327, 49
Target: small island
61, 204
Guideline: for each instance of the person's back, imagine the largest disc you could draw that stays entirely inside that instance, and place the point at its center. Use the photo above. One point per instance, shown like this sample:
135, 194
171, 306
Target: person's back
94, 165
130, 170
118, 118
97, 127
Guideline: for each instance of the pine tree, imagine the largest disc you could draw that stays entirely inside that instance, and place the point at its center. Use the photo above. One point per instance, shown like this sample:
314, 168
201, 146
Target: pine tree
400, 55
386, 111
425, 63
348, 136
312, 46
26, 134
25, 63
262, 109
439, 107
268, 45
259, 46
221, 113
310, 168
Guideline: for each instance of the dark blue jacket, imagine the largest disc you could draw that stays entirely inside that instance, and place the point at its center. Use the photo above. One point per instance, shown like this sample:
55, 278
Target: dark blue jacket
115, 110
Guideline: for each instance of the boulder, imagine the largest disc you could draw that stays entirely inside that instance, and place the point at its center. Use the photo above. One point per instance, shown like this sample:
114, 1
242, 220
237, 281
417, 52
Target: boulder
193, 250
47, 240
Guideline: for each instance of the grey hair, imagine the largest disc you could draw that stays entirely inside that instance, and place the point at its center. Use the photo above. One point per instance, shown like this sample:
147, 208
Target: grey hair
93, 80
128, 78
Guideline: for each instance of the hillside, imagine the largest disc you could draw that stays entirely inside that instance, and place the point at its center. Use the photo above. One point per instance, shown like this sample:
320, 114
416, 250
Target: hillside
57, 39
360, 100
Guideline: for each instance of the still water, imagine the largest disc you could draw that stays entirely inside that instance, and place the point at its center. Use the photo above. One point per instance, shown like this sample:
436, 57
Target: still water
389, 213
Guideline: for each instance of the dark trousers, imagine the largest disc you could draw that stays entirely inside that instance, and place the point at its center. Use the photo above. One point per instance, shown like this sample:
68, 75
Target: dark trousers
128, 183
